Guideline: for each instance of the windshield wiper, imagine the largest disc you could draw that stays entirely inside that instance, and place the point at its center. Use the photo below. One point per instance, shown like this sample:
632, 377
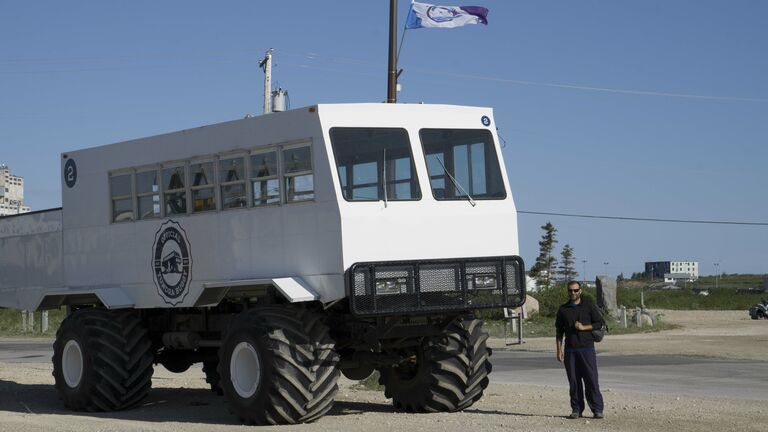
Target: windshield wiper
456, 183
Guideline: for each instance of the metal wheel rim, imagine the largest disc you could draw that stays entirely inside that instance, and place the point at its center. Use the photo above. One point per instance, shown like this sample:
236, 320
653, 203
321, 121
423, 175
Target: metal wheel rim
245, 370
72, 363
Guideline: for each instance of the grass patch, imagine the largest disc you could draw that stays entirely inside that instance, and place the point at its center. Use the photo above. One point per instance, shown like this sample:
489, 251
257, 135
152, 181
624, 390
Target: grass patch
688, 299
11, 323
541, 326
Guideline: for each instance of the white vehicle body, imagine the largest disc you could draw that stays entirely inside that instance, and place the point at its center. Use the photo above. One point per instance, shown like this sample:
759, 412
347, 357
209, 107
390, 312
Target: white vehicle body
303, 249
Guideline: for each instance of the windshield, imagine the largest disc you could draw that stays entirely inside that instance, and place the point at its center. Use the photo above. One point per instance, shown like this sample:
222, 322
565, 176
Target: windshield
369, 158
461, 162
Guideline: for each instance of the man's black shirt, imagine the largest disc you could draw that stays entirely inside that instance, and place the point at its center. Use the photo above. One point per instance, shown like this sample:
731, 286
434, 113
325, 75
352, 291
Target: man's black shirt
586, 313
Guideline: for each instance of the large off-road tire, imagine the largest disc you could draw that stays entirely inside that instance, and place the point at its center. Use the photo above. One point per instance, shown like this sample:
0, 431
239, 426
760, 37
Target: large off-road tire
212, 377
102, 360
448, 373
278, 366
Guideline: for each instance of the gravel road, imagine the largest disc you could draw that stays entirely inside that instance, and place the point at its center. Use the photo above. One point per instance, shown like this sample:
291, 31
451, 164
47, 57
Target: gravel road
182, 402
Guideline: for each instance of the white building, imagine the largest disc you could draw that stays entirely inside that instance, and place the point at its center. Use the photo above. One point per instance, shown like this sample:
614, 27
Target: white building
673, 271
11, 193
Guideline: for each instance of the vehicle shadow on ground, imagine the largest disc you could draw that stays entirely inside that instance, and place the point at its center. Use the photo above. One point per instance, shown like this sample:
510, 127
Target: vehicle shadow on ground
183, 405
161, 405
342, 408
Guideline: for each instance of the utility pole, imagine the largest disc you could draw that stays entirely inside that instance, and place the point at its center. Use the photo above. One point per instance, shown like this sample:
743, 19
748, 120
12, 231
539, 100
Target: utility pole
392, 73
266, 65
585, 271
717, 275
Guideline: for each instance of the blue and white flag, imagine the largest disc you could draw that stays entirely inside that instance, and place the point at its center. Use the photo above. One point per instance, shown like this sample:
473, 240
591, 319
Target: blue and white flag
424, 15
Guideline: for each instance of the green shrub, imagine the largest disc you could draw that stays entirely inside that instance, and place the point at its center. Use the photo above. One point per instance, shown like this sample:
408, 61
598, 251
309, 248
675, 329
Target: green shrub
371, 383
10, 322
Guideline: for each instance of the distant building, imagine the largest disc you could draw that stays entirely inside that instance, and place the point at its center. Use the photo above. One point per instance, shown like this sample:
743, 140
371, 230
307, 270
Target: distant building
672, 271
11, 193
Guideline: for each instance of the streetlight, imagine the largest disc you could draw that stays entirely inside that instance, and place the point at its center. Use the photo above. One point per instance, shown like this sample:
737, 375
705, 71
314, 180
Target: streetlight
585, 271
606, 267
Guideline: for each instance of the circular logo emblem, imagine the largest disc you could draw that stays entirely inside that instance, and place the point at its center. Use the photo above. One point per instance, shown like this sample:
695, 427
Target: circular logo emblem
485, 120
171, 262
441, 14
70, 173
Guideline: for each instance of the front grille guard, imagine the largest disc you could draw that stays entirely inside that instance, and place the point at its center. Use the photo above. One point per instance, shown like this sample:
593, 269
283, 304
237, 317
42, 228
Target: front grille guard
434, 286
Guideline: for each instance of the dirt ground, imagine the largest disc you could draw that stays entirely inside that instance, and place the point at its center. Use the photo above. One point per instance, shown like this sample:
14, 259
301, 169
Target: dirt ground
182, 401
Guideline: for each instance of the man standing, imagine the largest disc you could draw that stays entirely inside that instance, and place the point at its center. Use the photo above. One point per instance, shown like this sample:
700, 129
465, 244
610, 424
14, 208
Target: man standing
575, 320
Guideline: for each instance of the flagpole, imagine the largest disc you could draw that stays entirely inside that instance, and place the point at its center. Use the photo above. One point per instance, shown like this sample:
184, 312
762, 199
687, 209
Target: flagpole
392, 73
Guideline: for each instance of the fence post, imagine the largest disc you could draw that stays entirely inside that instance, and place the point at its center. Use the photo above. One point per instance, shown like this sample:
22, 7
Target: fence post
43, 321
624, 316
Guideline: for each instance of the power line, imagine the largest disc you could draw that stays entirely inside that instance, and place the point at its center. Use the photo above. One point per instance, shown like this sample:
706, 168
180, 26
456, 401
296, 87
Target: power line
691, 221
348, 61
571, 86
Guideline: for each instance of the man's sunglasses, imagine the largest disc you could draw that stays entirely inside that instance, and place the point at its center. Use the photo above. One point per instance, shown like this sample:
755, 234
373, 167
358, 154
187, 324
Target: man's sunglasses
574, 290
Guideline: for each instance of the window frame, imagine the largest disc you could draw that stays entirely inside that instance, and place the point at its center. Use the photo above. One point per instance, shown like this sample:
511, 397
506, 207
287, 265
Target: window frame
112, 198
216, 185
159, 178
285, 176
211, 184
380, 181
244, 156
277, 176
185, 189
447, 180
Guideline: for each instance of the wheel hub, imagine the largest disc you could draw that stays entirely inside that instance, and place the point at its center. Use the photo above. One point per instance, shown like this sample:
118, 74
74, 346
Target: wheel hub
72, 363
245, 370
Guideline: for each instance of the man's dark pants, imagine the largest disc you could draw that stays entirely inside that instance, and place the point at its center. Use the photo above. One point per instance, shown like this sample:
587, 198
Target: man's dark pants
581, 365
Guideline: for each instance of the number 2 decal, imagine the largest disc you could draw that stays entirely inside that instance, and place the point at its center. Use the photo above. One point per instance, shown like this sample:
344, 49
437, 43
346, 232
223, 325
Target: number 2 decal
70, 173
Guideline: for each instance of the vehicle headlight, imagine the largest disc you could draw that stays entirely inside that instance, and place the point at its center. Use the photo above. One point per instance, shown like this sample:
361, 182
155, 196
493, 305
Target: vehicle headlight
484, 282
392, 286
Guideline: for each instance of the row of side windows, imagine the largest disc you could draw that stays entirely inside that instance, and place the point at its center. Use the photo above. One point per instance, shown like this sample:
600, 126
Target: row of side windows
263, 177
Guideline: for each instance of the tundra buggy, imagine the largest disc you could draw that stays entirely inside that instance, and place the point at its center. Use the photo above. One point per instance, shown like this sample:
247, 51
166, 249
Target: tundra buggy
279, 251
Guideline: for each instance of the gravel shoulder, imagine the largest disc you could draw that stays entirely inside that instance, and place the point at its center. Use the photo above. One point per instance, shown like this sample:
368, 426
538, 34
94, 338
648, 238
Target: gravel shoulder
183, 402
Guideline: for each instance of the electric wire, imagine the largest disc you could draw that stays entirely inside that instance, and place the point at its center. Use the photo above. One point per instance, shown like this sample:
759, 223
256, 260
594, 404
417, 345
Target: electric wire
346, 61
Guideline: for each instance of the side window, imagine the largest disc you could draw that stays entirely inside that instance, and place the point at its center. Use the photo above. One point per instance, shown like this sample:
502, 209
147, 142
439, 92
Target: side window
232, 181
148, 191
264, 178
174, 190
202, 182
298, 179
121, 191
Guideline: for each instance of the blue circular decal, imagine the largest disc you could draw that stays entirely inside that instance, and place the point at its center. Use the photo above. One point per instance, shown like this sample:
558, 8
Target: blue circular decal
486, 120
70, 173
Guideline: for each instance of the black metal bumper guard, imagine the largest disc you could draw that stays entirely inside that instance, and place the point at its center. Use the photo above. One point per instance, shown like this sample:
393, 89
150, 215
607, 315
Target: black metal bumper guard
435, 286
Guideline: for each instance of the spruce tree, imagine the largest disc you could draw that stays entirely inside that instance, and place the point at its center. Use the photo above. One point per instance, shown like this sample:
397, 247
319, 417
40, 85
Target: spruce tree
567, 267
544, 268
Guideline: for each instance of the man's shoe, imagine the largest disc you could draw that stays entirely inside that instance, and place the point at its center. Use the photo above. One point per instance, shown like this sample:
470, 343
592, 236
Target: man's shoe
574, 415
599, 415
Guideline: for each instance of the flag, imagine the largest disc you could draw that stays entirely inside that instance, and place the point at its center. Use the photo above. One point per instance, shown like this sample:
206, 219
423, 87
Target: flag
424, 15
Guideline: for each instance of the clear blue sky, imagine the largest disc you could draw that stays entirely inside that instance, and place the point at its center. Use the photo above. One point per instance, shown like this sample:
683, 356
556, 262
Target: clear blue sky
86, 73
